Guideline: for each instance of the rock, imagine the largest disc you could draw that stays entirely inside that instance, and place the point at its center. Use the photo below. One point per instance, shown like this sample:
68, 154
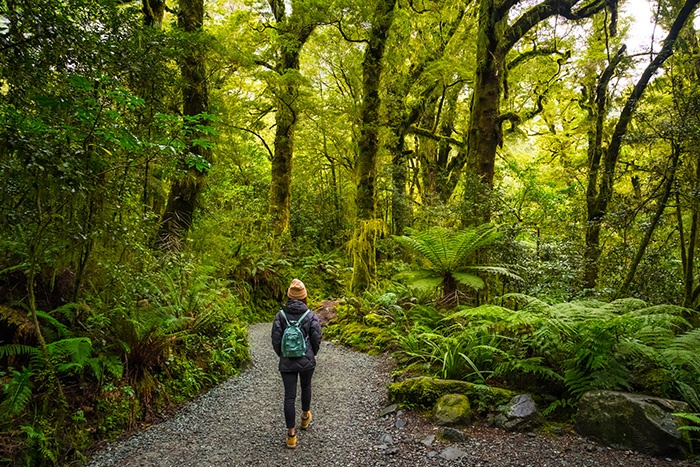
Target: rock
452, 453
391, 451
400, 423
425, 391
387, 410
453, 434
428, 441
386, 439
632, 421
453, 409
520, 414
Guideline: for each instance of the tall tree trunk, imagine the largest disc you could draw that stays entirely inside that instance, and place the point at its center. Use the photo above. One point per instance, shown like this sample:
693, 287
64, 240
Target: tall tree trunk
668, 187
597, 110
281, 175
484, 132
153, 12
366, 225
604, 188
184, 192
294, 31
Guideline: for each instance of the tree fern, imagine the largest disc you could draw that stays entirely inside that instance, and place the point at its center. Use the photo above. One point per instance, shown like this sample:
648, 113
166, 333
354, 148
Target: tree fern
445, 255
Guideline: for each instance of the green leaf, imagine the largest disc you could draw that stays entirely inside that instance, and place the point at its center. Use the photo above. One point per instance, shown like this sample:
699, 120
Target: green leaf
470, 280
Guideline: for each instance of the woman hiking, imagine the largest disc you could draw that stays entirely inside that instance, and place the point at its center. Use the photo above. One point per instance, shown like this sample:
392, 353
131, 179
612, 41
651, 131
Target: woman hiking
297, 352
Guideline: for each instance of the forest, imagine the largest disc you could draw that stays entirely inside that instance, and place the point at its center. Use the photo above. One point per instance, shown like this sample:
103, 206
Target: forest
505, 192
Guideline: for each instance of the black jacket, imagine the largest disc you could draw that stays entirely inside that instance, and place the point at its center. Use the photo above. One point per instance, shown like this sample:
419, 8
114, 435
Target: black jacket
311, 327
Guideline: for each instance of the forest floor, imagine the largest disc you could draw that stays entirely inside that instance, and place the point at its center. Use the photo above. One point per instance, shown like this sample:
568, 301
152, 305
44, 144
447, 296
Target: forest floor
240, 423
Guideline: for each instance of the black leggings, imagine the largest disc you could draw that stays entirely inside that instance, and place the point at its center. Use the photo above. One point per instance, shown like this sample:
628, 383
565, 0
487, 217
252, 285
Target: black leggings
290, 394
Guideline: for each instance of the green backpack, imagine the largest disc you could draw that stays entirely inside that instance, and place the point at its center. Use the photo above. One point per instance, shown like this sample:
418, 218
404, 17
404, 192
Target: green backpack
293, 340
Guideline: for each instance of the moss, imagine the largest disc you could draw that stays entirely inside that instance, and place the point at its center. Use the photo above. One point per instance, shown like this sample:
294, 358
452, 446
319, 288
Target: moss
425, 391
453, 409
372, 340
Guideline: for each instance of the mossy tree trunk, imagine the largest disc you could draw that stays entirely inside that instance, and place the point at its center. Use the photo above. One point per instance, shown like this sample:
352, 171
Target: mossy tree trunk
294, 31
153, 12
597, 108
366, 226
184, 192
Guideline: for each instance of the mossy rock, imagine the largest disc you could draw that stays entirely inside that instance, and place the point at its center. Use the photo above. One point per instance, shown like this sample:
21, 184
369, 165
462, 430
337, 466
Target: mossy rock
453, 409
425, 391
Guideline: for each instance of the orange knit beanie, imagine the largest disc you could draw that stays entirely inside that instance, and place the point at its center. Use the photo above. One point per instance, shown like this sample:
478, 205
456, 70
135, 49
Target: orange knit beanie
296, 290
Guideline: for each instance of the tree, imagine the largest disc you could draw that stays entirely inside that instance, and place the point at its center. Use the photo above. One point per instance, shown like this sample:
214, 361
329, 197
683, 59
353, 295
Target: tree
601, 182
495, 39
366, 224
196, 160
449, 257
293, 30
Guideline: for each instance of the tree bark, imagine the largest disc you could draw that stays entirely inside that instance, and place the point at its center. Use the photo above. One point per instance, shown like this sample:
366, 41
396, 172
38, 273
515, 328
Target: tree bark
363, 246
153, 12
689, 264
184, 192
293, 34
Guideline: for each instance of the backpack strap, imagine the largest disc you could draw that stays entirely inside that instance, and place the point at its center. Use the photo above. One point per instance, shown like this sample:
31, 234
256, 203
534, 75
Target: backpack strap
284, 316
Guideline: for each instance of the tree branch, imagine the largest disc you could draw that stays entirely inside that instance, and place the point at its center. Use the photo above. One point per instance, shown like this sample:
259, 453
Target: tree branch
525, 56
345, 36
430, 135
544, 10
262, 140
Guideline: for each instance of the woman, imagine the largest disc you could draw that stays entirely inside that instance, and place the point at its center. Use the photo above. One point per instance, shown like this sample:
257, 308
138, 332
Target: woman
293, 368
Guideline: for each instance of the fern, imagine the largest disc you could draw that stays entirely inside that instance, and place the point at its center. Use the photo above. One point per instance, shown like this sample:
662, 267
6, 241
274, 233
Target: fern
445, 254
18, 392
691, 417
689, 394
9, 350
62, 330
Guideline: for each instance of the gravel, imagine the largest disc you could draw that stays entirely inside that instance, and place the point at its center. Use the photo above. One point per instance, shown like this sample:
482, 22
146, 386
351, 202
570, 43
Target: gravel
241, 423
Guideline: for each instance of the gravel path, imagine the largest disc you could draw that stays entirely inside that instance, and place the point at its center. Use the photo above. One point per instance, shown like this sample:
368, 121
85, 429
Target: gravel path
240, 423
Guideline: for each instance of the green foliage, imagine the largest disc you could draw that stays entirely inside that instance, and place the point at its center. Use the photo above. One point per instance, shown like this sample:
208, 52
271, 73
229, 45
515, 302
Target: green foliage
562, 350
446, 255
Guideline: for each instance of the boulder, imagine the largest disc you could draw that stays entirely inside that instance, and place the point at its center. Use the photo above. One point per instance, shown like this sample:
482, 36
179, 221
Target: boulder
632, 421
453, 409
520, 414
425, 391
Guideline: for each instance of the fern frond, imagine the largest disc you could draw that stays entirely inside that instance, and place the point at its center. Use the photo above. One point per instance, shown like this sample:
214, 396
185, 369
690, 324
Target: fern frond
8, 350
75, 350
18, 392
666, 309
431, 244
500, 270
691, 417
468, 241
625, 305
470, 280
690, 394
62, 329
530, 303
